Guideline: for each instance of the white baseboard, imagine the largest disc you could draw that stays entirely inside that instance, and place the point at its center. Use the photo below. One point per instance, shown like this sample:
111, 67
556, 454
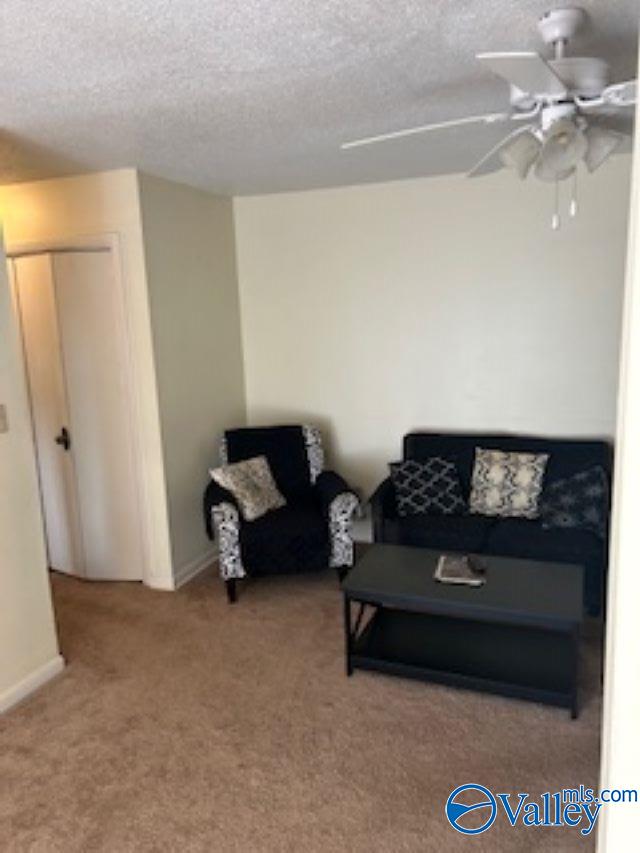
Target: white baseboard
189, 570
162, 583
31, 683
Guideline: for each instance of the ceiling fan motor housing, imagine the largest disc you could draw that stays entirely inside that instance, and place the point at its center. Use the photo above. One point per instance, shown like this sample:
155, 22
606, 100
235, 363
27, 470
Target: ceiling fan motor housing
559, 25
554, 113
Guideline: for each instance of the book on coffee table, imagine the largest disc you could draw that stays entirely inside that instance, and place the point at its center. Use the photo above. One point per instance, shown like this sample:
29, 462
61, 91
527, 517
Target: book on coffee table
459, 569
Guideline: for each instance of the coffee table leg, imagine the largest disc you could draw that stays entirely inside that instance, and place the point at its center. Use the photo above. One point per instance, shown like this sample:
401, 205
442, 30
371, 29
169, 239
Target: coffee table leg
347, 634
575, 644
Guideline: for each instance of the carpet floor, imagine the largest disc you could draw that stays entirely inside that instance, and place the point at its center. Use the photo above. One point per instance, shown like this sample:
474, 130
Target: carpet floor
183, 724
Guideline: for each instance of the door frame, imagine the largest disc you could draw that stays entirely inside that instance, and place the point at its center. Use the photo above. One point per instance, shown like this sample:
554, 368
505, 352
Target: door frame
107, 242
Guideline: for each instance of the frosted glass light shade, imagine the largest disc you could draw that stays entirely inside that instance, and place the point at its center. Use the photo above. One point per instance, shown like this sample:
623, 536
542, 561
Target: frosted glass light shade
601, 145
563, 148
521, 154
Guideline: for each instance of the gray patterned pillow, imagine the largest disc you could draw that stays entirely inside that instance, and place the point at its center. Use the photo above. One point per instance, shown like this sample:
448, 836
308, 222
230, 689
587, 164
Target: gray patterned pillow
507, 484
579, 501
431, 486
252, 485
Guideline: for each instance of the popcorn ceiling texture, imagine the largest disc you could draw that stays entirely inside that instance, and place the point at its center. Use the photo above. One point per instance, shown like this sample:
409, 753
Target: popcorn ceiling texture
256, 96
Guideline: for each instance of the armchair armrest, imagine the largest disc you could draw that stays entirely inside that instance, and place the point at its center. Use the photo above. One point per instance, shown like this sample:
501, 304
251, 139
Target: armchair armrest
222, 521
338, 503
214, 495
329, 486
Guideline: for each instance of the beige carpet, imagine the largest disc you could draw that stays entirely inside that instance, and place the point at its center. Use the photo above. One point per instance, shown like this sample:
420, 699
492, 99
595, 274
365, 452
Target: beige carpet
183, 724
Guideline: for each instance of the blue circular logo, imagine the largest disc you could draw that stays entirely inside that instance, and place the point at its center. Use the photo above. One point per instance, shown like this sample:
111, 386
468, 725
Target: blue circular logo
460, 804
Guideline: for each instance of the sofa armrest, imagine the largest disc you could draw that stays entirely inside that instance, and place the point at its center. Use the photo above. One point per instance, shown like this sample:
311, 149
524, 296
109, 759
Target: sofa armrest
383, 501
214, 495
383, 508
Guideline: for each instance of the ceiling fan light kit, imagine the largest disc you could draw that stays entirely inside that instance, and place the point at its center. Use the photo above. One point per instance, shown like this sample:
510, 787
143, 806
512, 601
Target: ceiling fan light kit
602, 144
563, 147
521, 153
566, 102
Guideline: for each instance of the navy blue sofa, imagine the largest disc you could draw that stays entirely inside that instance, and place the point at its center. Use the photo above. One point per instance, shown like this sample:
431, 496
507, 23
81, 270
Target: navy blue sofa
515, 537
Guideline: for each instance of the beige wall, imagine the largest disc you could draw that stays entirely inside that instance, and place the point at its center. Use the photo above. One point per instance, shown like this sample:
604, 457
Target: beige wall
28, 645
190, 260
66, 209
441, 303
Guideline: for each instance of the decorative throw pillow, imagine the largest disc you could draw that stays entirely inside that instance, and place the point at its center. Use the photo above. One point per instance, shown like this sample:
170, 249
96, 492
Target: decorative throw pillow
507, 484
252, 485
578, 501
431, 486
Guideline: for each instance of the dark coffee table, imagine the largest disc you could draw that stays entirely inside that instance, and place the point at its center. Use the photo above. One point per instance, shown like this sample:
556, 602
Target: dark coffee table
517, 635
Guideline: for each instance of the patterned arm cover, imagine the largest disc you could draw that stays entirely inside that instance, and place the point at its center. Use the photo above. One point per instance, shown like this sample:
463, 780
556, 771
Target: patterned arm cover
222, 518
339, 504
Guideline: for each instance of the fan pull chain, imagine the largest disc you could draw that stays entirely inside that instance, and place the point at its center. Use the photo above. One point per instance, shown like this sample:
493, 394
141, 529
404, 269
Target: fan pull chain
573, 206
555, 219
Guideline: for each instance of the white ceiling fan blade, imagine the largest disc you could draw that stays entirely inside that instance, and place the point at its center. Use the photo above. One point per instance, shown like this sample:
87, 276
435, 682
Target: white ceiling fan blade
527, 71
491, 161
621, 94
490, 118
616, 95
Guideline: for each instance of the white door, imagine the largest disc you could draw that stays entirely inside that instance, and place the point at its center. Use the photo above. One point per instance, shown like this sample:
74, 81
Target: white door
33, 278
95, 394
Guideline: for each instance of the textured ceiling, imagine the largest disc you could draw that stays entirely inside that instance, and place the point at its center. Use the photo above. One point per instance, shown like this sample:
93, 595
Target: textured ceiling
256, 96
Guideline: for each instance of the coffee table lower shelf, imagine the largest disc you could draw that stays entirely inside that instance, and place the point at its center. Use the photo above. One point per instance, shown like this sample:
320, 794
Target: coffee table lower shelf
513, 660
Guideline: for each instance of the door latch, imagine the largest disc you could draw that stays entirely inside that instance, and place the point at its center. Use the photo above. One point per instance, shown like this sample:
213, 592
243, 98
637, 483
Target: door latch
64, 439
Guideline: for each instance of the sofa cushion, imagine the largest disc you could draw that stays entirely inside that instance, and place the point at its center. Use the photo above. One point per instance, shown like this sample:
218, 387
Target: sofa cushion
431, 486
518, 537
286, 541
446, 532
507, 484
579, 501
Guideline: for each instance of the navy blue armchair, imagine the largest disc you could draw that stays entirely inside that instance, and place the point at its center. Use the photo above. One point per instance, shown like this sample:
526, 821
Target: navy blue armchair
313, 530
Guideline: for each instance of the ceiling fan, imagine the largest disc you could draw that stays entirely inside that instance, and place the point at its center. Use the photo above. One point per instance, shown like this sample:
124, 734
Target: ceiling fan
561, 108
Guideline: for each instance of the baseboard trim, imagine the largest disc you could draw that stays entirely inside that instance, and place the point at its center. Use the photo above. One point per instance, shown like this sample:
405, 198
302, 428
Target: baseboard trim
38, 678
160, 583
189, 570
